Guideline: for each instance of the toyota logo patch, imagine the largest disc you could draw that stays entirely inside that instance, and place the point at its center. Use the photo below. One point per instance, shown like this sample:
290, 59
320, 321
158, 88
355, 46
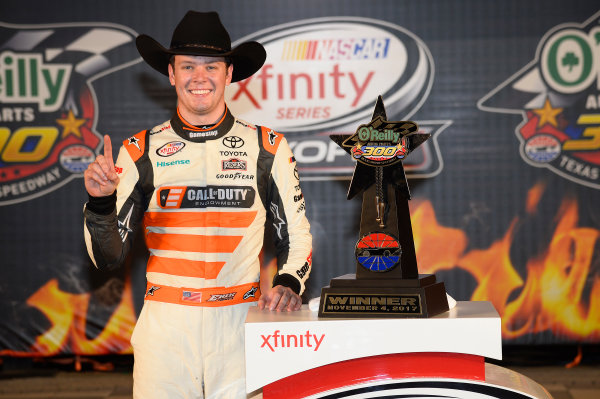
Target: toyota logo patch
233, 142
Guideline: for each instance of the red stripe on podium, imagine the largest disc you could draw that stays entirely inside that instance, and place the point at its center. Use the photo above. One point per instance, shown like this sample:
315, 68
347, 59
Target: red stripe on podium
377, 368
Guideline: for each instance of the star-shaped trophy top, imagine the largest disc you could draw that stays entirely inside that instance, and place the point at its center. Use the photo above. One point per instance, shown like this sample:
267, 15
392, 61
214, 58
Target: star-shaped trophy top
380, 144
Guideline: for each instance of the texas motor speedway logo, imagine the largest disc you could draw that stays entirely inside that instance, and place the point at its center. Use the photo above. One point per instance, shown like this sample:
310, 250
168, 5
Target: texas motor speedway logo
558, 95
322, 76
48, 107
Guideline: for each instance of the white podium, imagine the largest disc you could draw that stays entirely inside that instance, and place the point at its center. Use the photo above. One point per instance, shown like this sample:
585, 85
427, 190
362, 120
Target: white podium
295, 355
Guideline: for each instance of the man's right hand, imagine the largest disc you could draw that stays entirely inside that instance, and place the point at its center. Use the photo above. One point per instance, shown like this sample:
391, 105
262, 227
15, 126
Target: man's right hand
100, 177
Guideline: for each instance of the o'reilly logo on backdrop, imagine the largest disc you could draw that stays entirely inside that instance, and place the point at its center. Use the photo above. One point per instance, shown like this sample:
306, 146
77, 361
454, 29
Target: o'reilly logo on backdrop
48, 106
323, 76
558, 95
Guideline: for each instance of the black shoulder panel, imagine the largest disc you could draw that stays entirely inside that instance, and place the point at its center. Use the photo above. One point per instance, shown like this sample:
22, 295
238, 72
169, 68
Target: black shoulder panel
263, 169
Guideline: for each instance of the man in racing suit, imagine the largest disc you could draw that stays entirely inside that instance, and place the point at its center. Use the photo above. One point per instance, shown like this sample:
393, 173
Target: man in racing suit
203, 192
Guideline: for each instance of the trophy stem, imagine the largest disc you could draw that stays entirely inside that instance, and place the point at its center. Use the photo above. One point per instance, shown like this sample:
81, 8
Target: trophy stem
379, 198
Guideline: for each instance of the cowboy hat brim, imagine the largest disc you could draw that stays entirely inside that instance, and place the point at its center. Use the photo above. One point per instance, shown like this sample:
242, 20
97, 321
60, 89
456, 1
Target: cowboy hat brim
247, 58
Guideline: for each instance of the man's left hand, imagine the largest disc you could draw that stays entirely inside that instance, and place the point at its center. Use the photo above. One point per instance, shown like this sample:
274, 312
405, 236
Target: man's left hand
280, 298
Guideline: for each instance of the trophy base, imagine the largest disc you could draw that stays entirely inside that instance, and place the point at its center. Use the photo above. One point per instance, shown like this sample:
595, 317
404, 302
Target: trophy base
347, 297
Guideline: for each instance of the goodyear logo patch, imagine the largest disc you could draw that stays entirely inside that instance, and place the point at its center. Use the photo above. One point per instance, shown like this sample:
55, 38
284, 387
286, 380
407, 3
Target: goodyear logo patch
47, 103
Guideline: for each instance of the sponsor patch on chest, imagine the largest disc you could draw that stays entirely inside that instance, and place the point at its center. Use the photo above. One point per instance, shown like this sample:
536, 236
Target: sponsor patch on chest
203, 197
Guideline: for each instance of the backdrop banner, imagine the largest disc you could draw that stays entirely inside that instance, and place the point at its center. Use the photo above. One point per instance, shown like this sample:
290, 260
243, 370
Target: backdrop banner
505, 193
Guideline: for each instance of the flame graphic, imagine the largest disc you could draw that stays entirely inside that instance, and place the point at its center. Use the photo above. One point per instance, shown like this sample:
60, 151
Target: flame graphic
67, 315
552, 297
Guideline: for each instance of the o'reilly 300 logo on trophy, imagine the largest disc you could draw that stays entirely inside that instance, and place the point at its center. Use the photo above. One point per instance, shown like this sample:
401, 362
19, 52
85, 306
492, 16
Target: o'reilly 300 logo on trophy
380, 143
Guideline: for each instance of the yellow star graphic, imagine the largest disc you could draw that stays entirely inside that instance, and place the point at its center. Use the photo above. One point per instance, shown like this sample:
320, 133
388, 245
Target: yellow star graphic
70, 125
548, 114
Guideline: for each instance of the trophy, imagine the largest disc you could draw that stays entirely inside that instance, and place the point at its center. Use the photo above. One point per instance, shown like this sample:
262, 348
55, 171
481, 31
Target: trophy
387, 282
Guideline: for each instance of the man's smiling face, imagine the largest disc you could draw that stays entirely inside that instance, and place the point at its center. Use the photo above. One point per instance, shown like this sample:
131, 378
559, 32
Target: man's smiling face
200, 85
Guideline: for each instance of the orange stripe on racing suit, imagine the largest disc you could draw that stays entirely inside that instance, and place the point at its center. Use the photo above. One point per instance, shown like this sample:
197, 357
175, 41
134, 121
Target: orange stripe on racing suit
207, 297
199, 219
184, 267
192, 243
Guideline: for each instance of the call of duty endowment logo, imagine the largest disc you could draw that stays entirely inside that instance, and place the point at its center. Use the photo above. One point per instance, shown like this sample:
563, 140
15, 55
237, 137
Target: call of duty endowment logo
48, 108
558, 95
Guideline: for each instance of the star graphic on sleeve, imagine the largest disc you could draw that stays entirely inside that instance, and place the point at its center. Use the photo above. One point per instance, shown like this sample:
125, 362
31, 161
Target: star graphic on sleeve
123, 226
278, 222
272, 137
547, 114
134, 140
70, 125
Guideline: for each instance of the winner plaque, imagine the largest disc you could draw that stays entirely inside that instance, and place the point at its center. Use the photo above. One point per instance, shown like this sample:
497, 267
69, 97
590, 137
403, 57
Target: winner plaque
387, 282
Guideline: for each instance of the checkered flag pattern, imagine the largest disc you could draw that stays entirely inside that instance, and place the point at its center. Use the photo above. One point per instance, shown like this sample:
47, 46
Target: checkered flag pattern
91, 49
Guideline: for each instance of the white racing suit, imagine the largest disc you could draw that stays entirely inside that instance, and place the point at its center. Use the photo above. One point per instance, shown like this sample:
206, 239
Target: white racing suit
203, 196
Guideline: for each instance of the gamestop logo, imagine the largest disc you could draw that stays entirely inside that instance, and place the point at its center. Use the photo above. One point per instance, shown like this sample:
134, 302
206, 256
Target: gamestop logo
324, 75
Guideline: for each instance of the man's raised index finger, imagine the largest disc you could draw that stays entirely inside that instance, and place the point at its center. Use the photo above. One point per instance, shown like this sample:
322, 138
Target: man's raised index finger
108, 151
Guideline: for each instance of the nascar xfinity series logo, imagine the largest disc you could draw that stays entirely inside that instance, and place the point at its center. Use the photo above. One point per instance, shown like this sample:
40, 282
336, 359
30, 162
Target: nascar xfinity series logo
324, 75
558, 95
47, 104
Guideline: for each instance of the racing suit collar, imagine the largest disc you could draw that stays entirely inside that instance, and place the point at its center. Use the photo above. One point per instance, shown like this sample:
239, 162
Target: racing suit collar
200, 134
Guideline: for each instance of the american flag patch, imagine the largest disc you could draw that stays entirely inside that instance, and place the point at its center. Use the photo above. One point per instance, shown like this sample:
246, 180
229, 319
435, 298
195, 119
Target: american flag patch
191, 296
170, 197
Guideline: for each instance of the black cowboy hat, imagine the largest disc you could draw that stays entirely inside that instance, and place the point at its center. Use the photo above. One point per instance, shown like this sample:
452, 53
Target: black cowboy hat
202, 33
